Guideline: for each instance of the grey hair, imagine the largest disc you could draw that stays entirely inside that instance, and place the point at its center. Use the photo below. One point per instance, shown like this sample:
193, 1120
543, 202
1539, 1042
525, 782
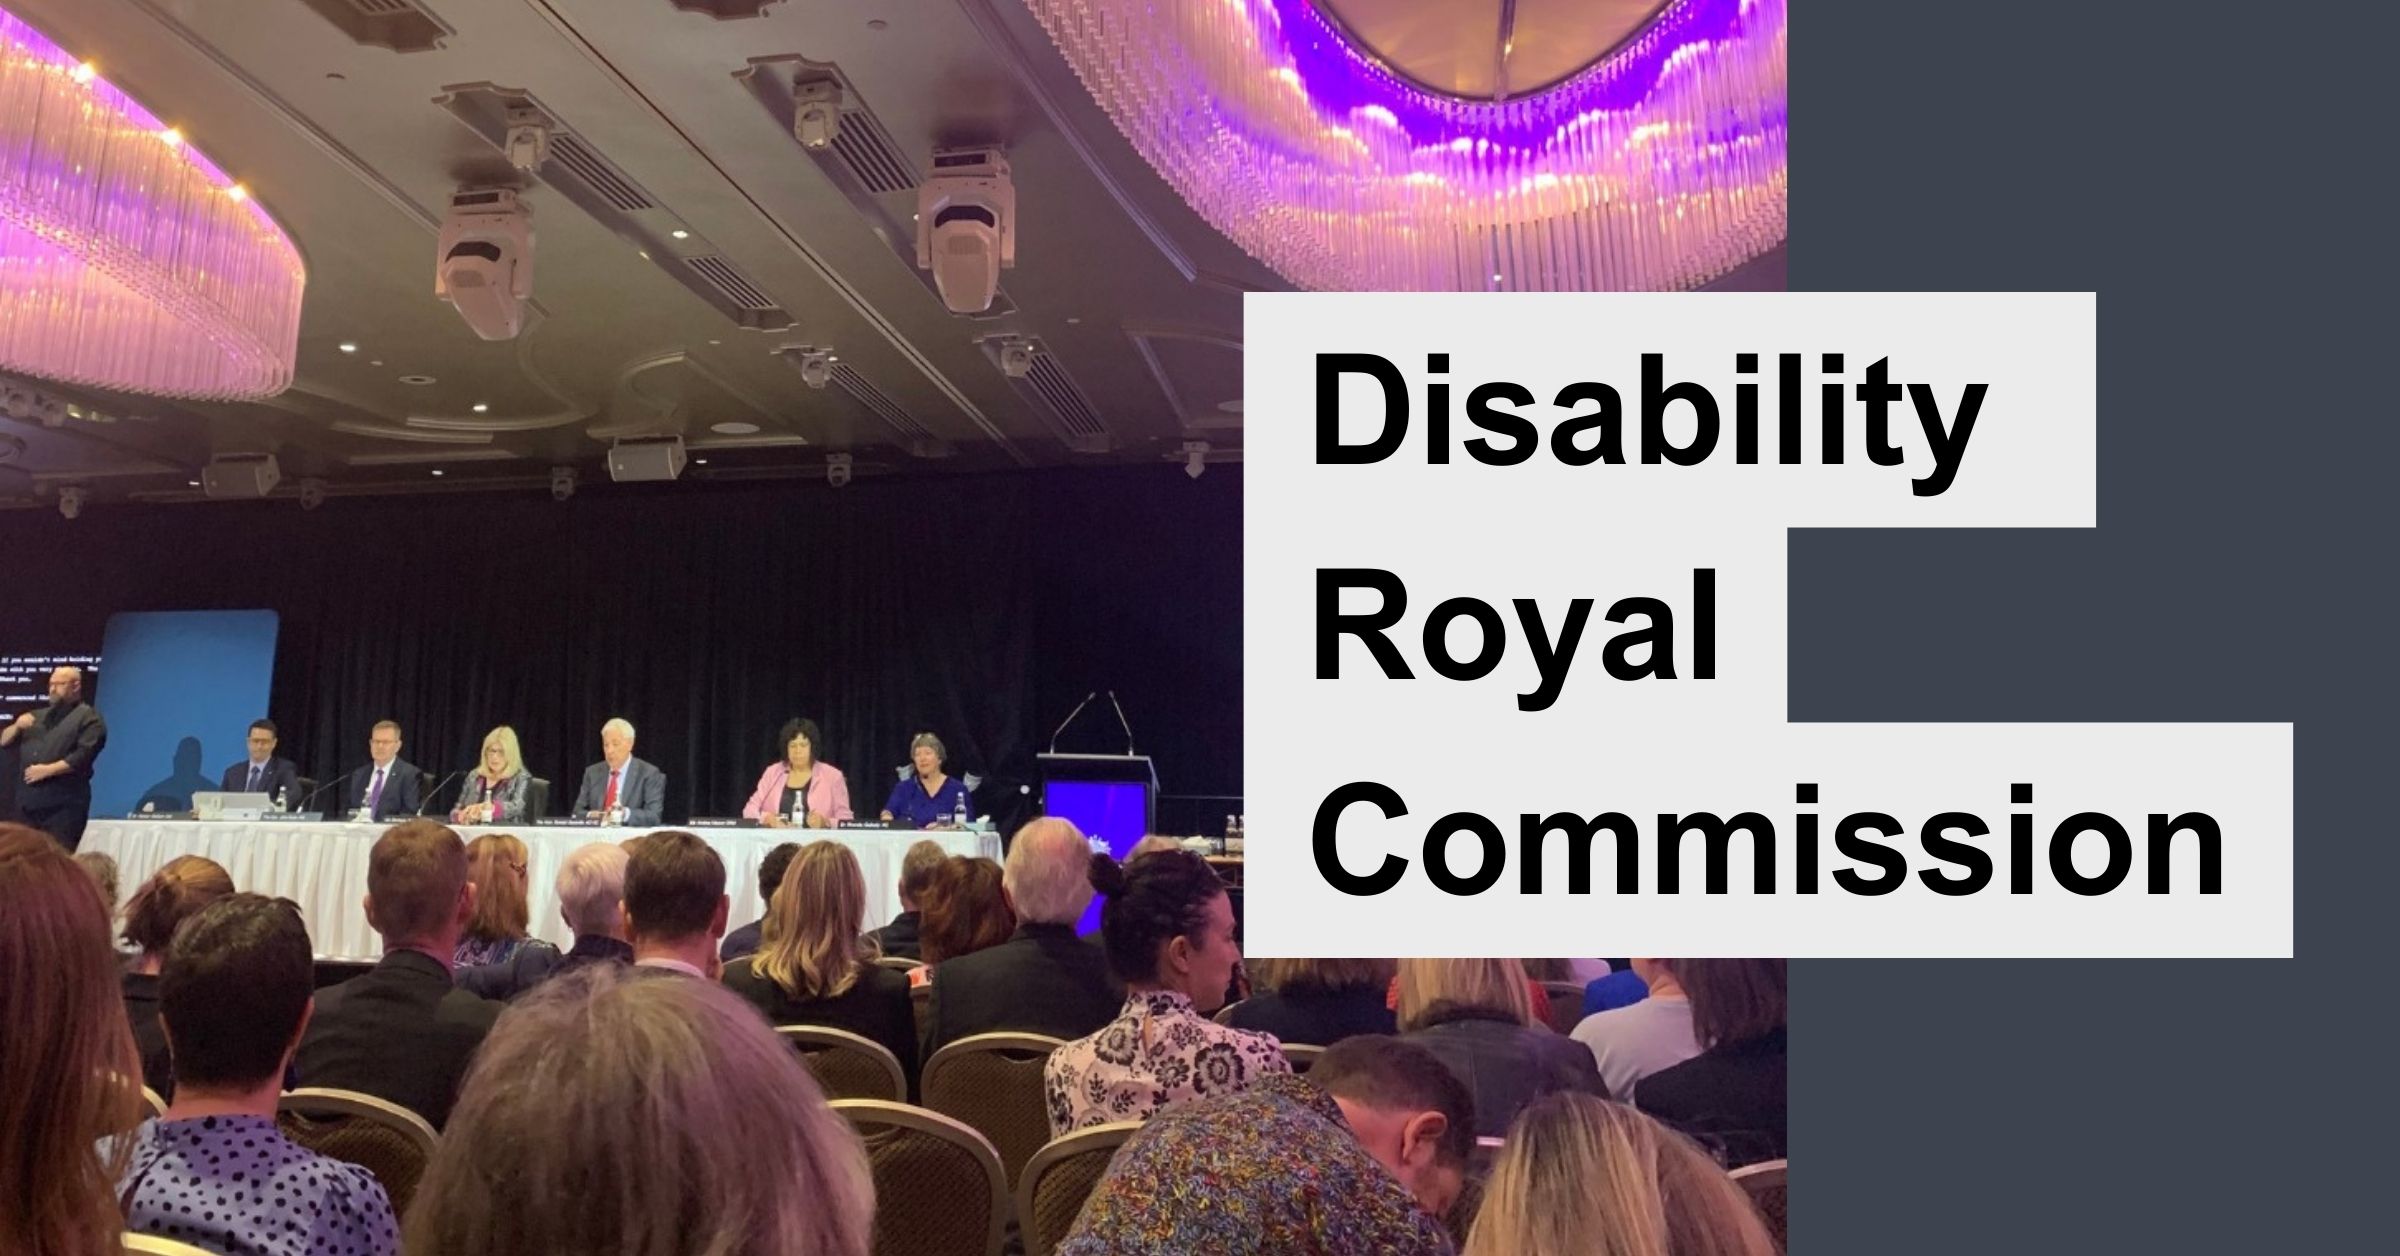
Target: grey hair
591, 884
1048, 874
928, 739
618, 725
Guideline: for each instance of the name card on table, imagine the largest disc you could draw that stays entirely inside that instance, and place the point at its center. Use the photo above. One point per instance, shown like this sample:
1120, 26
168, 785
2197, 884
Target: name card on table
566, 822
291, 817
720, 822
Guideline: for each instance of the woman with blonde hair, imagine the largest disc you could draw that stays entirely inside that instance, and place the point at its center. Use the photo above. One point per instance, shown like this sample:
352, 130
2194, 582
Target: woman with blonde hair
1580, 1176
172, 895
66, 1060
496, 867
641, 1116
815, 966
499, 788
1477, 1015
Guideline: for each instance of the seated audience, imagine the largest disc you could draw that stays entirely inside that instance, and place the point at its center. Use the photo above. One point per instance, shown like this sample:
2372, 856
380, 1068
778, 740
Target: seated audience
176, 893
818, 969
1168, 930
1042, 979
1622, 988
496, 864
60, 1088
1318, 1001
1476, 1016
1364, 1154
966, 910
1151, 845
1580, 1175
403, 1031
609, 1114
917, 869
1630, 1043
214, 1171
591, 893
103, 869
743, 942
1733, 1091
675, 904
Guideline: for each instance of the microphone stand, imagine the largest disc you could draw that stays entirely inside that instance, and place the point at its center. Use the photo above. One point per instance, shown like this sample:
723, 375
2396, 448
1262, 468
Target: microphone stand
1062, 724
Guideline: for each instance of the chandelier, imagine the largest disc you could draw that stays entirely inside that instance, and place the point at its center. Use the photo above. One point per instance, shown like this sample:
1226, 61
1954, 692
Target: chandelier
1660, 167
128, 260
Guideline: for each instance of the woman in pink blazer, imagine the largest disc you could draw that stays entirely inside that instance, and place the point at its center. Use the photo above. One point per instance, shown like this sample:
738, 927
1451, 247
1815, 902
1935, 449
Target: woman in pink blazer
799, 780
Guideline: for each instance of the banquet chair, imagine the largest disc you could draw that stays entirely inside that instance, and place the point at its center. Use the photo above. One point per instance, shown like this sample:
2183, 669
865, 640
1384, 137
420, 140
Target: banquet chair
1566, 1005
848, 1065
155, 1246
900, 962
156, 1102
1060, 1177
1301, 1055
303, 789
921, 1001
1224, 1014
131, 1102
377, 1135
993, 1082
537, 798
938, 1185
1764, 1183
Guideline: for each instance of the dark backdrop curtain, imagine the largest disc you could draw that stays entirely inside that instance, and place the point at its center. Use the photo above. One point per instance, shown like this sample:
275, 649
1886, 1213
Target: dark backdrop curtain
979, 608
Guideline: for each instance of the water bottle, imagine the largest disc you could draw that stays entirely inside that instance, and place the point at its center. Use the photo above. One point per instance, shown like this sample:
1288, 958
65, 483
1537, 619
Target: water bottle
799, 811
282, 801
1233, 845
1233, 829
958, 811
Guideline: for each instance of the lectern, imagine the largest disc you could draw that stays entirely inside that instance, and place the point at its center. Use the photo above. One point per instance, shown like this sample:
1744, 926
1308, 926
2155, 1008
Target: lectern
1111, 797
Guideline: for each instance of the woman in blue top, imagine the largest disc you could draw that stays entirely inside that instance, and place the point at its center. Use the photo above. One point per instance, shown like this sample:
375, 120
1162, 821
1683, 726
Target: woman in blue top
927, 798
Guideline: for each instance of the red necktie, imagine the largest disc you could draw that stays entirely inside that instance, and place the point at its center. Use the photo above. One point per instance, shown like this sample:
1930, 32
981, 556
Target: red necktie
610, 803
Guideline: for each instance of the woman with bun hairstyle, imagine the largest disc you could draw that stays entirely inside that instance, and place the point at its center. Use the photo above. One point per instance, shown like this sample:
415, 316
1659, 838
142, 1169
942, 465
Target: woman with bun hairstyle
176, 893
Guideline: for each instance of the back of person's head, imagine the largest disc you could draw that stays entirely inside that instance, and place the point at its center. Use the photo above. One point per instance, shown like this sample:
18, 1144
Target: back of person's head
1408, 1109
1433, 990
66, 1053
235, 991
1733, 1000
496, 864
812, 947
917, 869
1306, 976
1049, 872
591, 889
1152, 845
1151, 902
965, 910
417, 886
772, 868
103, 869
641, 1117
674, 886
172, 895
1580, 1176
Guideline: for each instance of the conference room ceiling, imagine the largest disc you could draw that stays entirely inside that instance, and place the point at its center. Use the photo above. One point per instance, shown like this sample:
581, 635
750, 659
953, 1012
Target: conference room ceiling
354, 120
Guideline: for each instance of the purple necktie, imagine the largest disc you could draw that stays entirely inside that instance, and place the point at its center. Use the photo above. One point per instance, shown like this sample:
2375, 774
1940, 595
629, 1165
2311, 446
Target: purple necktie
375, 795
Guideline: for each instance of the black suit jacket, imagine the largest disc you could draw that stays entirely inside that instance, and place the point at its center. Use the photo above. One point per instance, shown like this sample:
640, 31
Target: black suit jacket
403, 789
1045, 980
281, 774
400, 1031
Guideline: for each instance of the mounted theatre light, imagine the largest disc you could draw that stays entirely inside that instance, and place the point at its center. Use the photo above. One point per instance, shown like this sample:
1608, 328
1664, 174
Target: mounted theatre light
128, 260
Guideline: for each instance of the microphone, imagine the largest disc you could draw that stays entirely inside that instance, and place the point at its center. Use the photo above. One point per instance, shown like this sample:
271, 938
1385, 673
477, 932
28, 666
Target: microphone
1062, 724
319, 792
1112, 701
435, 792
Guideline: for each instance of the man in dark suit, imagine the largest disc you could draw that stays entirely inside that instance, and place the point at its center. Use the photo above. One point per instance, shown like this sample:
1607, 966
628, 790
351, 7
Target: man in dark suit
675, 904
620, 780
402, 1031
917, 869
744, 942
388, 785
262, 772
1044, 980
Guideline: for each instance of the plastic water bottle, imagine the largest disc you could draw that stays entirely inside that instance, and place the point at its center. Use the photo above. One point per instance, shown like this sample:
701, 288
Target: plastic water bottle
1233, 845
958, 810
1233, 834
282, 800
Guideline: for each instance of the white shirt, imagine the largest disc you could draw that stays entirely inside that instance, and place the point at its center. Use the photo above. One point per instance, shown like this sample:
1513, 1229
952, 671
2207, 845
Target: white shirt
1630, 1043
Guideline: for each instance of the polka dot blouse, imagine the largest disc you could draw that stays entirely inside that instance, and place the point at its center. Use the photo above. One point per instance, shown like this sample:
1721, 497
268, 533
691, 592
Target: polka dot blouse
235, 1184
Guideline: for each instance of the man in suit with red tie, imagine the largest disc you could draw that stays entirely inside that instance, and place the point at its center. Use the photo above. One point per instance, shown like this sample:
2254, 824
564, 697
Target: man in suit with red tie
388, 786
621, 781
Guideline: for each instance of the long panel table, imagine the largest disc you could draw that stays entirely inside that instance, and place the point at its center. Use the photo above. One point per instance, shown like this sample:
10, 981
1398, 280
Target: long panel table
323, 866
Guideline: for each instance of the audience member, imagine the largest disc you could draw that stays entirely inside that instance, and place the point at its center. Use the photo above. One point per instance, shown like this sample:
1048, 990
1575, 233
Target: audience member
591, 894
1318, 1001
1151, 845
819, 970
1476, 1016
1363, 1154
403, 1031
647, 1118
675, 904
103, 869
1632, 1042
744, 942
917, 869
174, 894
1733, 1091
496, 864
66, 1059
966, 910
1579, 1175
1043, 979
214, 1171
1622, 988
1168, 932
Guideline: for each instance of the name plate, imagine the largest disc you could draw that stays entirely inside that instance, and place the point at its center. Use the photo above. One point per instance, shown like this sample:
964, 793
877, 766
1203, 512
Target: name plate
720, 822
290, 817
879, 825
566, 822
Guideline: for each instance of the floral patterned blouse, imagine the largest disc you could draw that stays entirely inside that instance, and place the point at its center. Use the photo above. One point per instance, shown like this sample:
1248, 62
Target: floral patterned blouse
1156, 1051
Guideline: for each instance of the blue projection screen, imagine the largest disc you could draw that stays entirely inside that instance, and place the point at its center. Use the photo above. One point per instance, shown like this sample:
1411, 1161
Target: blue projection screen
182, 688
1114, 811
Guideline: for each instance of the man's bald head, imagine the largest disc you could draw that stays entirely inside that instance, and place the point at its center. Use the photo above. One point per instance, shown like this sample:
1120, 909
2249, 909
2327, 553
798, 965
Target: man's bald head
66, 683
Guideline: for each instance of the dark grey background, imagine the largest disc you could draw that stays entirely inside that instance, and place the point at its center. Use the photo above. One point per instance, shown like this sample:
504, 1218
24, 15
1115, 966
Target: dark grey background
2207, 174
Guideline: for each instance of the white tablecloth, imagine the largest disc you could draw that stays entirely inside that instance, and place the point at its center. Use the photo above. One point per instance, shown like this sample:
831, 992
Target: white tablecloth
323, 867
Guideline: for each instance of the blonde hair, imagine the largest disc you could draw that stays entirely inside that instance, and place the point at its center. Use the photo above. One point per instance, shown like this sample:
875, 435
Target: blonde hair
641, 1117
1152, 845
496, 867
513, 757
1431, 987
811, 946
1285, 976
1580, 1176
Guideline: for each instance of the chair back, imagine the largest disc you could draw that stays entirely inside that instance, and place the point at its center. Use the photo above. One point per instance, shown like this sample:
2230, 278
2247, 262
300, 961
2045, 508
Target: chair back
153, 1245
1301, 1055
1060, 1177
156, 1102
377, 1135
920, 1000
1764, 1183
848, 1065
1224, 1014
938, 1186
537, 798
304, 788
993, 1082
899, 962
1566, 1005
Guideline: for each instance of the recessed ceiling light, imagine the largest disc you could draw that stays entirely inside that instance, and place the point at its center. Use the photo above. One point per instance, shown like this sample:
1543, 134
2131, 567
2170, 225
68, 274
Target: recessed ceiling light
85, 72
1231, 407
680, 234
437, 470
193, 483
1071, 321
376, 362
238, 192
700, 462
716, 342
348, 347
418, 381
645, 254
480, 408
733, 427
876, 24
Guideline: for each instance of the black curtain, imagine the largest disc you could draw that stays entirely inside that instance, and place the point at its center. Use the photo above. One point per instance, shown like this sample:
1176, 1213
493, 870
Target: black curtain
979, 608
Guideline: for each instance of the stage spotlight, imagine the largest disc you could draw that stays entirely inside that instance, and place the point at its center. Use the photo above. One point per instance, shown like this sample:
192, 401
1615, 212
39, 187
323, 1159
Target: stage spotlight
837, 469
312, 493
70, 500
967, 226
528, 142
562, 483
817, 113
1195, 458
816, 367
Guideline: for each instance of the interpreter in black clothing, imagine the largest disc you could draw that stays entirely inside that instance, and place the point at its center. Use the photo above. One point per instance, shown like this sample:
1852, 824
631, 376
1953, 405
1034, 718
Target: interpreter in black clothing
58, 745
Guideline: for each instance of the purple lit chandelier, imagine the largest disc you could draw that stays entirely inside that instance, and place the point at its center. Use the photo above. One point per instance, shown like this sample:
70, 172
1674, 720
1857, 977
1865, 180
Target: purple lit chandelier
1660, 167
128, 260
